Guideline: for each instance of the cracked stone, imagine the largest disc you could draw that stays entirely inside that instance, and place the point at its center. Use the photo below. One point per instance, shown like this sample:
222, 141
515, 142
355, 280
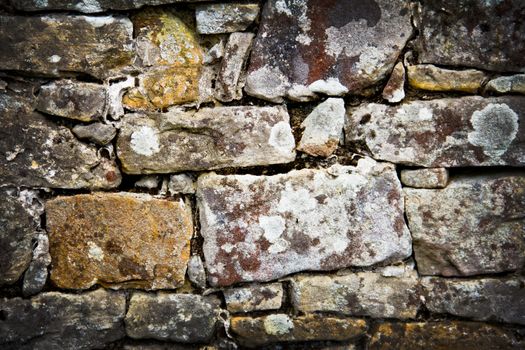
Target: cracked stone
323, 128
425, 178
55, 320
225, 18
275, 328
210, 138
432, 78
260, 228
472, 33
358, 294
473, 226
98, 46
196, 272
449, 132
509, 84
98, 133
184, 318
254, 298
118, 240
486, 299
394, 90
35, 276
342, 46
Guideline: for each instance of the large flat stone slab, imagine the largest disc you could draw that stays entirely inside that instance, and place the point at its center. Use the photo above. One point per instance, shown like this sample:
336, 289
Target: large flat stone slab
118, 240
63, 321
210, 138
474, 33
259, 228
341, 46
99, 46
450, 132
473, 226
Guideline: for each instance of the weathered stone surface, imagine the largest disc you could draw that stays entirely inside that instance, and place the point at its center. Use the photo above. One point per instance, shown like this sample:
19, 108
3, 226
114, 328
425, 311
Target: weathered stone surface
432, 78
341, 46
257, 331
425, 178
444, 335
394, 90
18, 225
184, 318
118, 239
509, 84
473, 226
229, 81
99, 46
37, 152
210, 138
225, 18
358, 294
254, 298
472, 33
450, 132
35, 276
323, 128
259, 228
196, 272
181, 183
171, 48
488, 299
62, 321
98, 133
89, 6
116, 91
73, 100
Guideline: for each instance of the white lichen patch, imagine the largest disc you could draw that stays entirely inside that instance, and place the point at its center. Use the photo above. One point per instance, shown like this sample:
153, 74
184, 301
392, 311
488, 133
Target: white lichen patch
145, 141
95, 252
54, 59
99, 21
278, 324
495, 127
281, 138
273, 227
268, 83
88, 6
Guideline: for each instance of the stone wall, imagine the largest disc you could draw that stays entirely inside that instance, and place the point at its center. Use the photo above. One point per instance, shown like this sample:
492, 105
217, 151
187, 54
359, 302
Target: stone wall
280, 174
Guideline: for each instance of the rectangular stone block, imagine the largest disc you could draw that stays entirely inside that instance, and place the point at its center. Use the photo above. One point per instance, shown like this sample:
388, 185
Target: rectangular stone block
55, 320
473, 226
210, 138
225, 17
99, 46
358, 294
254, 298
449, 132
486, 299
259, 228
184, 318
425, 178
118, 240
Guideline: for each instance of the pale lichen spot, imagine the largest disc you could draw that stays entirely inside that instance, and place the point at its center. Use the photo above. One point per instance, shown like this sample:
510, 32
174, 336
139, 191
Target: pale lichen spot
281, 138
54, 59
278, 324
95, 251
145, 141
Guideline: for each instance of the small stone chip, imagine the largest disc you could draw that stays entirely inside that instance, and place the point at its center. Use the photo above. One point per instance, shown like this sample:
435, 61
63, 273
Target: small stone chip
254, 298
425, 178
432, 78
98, 133
394, 90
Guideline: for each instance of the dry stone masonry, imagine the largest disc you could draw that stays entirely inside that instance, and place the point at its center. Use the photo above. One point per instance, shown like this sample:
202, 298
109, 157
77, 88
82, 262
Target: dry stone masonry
264, 174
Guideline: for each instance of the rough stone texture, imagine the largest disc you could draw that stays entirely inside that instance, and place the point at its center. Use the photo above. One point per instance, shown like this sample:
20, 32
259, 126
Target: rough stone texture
488, 299
18, 226
37, 152
35, 276
341, 46
118, 239
99, 46
358, 294
259, 228
472, 33
116, 91
450, 132
473, 226
98, 133
257, 331
62, 321
254, 298
510, 84
323, 128
394, 90
445, 336
89, 6
225, 18
425, 178
196, 272
181, 183
182, 318
73, 100
432, 78
229, 80
210, 138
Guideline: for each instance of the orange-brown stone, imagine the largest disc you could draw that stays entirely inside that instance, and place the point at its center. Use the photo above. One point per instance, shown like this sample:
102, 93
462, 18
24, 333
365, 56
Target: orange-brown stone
118, 240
